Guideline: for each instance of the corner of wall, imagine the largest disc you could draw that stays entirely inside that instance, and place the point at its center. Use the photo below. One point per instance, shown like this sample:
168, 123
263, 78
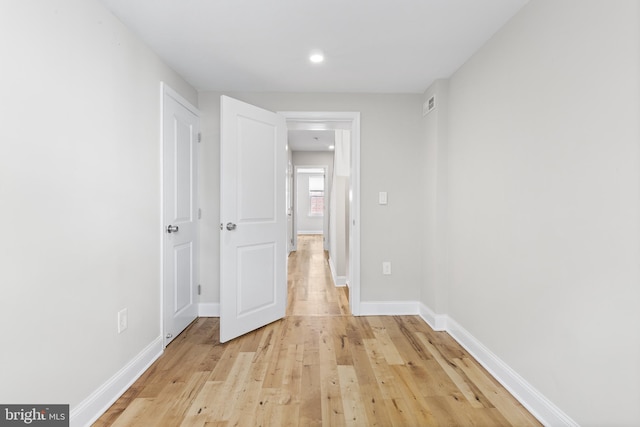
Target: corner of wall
91, 408
534, 401
434, 291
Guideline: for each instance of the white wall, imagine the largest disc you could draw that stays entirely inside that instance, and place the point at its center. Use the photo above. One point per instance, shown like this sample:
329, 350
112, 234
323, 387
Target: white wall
80, 192
543, 201
314, 158
339, 226
390, 134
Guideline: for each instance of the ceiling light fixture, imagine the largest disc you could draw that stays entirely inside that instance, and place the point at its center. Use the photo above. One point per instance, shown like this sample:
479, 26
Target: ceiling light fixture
316, 57
331, 147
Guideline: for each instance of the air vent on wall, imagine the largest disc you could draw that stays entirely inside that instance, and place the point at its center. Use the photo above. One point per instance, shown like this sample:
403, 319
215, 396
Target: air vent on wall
429, 105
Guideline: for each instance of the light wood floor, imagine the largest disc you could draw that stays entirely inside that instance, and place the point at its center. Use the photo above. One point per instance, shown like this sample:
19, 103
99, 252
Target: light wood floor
318, 366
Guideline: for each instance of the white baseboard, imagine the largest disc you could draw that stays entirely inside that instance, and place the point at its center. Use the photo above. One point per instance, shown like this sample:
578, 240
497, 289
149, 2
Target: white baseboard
209, 309
388, 308
340, 281
91, 408
535, 402
337, 280
438, 322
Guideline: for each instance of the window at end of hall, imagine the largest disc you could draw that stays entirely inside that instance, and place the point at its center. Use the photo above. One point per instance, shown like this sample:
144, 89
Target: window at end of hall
316, 196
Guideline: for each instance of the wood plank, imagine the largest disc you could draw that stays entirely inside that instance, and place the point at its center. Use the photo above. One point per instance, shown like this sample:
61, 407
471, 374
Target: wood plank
386, 344
412, 396
372, 395
310, 397
355, 413
384, 377
175, 399
202, 406
331, 400
463, 385
501, 399
133, 414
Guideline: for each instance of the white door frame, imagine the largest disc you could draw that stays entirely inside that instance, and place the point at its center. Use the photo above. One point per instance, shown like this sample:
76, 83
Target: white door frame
166, 89
304, 118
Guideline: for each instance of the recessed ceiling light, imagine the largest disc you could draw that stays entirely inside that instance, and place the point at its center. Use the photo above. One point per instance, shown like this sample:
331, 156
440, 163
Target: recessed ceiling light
331, 147
316, 57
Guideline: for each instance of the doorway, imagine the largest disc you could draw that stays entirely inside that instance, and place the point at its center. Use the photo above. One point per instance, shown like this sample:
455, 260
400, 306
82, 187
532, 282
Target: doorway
347, 121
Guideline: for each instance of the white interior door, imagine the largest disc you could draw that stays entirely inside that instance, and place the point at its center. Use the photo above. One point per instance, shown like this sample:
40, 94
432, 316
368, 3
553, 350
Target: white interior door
253, 252
180, 128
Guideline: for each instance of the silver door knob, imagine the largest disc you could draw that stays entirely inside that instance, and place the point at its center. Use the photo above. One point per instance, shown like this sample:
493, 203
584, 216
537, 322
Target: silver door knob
172, 229
231, 226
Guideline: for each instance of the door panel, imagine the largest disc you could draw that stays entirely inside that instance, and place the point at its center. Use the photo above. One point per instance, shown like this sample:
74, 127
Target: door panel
256, 281
257, 148
253, 261
180, 127
183, 262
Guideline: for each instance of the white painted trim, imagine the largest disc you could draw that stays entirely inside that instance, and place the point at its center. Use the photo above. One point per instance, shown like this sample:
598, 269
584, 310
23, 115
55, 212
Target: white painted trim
338, 281
438, 322
91, 408
166, 89
314, 232
209, 309
535, 402
389, 308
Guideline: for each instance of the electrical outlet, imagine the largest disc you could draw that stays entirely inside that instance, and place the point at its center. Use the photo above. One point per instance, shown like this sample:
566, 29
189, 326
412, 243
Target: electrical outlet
386, 268
123, 320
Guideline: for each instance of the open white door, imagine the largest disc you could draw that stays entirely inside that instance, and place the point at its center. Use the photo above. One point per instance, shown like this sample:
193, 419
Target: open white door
180, 128
253, 251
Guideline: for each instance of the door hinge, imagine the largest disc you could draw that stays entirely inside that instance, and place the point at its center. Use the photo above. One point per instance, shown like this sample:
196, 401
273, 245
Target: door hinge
199, 289
199, 137
199, 213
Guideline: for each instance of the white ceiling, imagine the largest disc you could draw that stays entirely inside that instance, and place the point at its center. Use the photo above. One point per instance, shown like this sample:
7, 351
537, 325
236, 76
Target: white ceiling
311, 140
375, 46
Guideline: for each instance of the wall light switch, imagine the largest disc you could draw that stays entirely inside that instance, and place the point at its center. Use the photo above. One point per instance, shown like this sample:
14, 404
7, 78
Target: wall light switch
386, 268
382, 198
